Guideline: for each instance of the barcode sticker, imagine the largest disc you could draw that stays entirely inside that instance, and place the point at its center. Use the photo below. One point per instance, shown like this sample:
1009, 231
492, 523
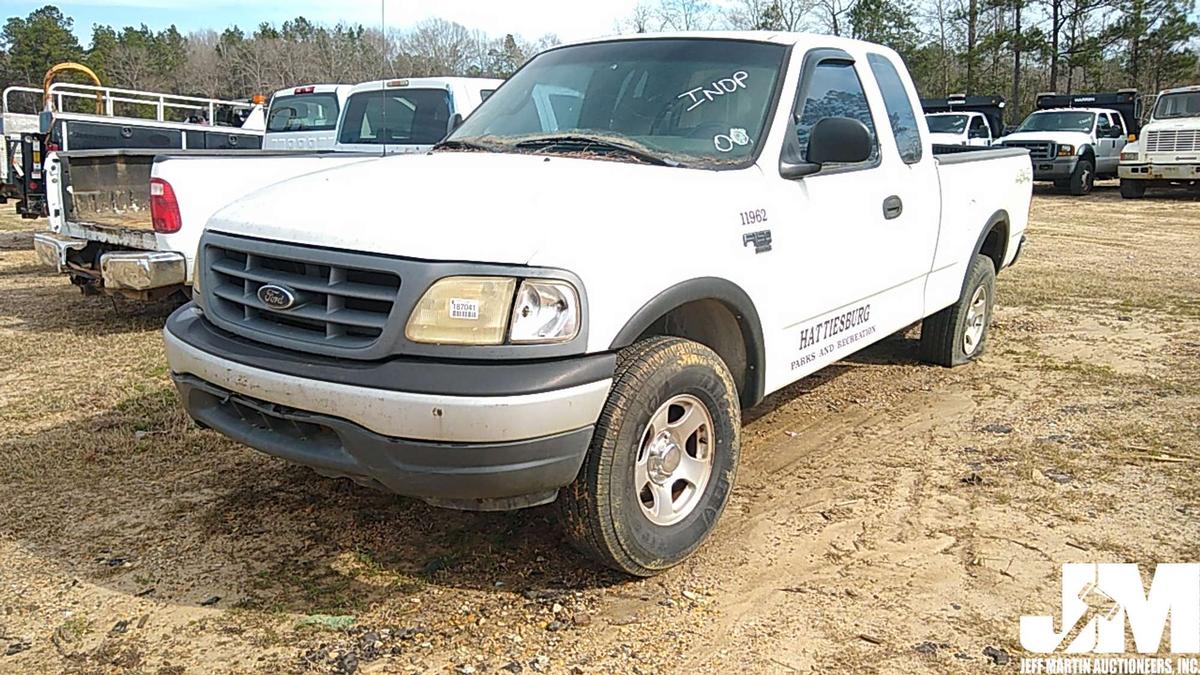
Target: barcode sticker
464, 309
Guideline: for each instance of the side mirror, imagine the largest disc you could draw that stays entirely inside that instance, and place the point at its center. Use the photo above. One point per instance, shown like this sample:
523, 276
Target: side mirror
833, 140
455, 122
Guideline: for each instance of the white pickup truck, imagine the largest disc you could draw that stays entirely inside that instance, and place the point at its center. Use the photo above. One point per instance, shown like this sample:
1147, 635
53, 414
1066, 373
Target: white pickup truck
964, 120
128, 222
1168, 151
1076, 139
305, 118
580, 312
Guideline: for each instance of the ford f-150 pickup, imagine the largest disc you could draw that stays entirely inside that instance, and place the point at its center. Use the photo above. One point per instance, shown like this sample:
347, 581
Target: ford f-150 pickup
575, 308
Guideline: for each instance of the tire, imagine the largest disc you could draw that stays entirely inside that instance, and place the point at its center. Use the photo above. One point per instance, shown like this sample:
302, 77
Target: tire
944, 336
1083, 178
1133, 189
604, 512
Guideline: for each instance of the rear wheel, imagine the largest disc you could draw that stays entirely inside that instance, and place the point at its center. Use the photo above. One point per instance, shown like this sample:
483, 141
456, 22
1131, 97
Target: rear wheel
958, 334
1083, 178
662, 461
1133, 189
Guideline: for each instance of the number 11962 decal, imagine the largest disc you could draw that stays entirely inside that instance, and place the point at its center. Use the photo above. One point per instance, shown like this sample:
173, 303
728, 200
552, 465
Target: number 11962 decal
754, 217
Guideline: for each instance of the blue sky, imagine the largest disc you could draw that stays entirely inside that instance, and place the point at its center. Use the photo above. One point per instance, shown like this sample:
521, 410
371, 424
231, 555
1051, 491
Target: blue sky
569, 19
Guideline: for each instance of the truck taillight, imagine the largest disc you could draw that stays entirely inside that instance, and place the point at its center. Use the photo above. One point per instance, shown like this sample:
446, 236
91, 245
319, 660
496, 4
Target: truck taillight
164, 208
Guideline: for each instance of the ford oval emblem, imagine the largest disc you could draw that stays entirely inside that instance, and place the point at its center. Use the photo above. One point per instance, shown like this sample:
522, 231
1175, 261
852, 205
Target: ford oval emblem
276, 297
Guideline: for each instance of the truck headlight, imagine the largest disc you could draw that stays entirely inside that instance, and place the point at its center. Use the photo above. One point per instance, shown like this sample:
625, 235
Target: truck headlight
463, 311
1066, 150
546, 310
1129, 157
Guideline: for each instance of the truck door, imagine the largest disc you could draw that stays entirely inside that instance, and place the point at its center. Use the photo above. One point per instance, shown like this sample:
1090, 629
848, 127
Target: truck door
1106, 145
979, 134
856, 240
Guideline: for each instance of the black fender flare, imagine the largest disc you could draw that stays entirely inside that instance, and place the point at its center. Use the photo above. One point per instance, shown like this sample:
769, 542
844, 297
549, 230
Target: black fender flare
1088, 152
999, 218
728, 294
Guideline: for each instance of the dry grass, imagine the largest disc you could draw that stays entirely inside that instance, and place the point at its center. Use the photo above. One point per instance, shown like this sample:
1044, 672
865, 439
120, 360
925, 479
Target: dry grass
111, 502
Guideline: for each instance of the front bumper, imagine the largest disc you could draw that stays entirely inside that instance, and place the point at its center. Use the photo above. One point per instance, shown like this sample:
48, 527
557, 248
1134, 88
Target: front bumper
1054, 169
1151, 171
500, 451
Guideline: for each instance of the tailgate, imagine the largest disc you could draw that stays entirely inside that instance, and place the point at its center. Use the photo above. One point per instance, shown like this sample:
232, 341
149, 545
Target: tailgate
108, 190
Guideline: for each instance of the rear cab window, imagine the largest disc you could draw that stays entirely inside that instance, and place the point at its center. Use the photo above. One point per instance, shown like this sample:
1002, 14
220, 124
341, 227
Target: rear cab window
899, 108
396, 117
303, 112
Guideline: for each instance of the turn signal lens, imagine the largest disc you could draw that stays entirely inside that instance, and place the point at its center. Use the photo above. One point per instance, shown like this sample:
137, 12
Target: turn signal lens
463, 311
546, 310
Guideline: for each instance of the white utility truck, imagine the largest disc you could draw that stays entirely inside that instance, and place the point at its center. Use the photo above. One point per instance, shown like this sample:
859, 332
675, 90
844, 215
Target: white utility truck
1076, 139
129, 222
305, 118
1168, 150
580, 312
964, 120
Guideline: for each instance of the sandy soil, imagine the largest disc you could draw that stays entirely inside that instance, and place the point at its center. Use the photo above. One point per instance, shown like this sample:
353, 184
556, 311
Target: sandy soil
889, 516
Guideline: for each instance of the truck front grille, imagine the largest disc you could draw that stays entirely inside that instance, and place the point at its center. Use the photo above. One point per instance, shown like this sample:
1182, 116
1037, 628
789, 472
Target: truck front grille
1038, 150
336, 305
1173, 140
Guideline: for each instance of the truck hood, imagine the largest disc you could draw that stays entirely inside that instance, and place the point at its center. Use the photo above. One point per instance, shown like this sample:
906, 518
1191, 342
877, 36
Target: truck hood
1180, 124
467, 206
1075, 138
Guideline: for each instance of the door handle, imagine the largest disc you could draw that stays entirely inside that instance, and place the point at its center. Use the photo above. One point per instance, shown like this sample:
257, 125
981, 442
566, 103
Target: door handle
892, 207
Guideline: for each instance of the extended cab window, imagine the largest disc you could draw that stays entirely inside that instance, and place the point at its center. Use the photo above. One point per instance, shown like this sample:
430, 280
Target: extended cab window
1103, 126
397, 116
692, 102
304, 112
899, 108
835, 91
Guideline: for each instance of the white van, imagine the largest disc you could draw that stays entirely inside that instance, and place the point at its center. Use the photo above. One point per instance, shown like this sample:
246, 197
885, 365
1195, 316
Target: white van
305, 118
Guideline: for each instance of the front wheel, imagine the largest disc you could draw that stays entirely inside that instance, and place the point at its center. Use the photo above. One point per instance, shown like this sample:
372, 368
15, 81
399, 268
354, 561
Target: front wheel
1083, 178
662, 461
958, 334
1133, 189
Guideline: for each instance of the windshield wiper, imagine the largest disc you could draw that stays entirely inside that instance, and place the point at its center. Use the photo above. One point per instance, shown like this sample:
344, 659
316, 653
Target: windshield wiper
585, 143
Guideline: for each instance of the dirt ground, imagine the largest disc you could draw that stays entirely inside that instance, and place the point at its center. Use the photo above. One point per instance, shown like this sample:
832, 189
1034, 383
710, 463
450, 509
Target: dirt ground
888, 517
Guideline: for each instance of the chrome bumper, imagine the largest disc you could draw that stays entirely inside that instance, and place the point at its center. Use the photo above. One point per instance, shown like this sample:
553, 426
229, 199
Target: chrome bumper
51, 249
143, 270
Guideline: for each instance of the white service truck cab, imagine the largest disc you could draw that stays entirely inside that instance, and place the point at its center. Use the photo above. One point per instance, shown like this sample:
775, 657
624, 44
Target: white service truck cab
1074, 140
965, 128
1168, 150
974, 121
721, 215
408, 116
305, 118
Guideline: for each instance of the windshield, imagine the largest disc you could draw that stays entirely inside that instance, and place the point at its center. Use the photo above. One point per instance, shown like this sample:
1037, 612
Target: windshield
1183, 104
1062, 120
693, 102
396, 116
946, 124
306, 112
